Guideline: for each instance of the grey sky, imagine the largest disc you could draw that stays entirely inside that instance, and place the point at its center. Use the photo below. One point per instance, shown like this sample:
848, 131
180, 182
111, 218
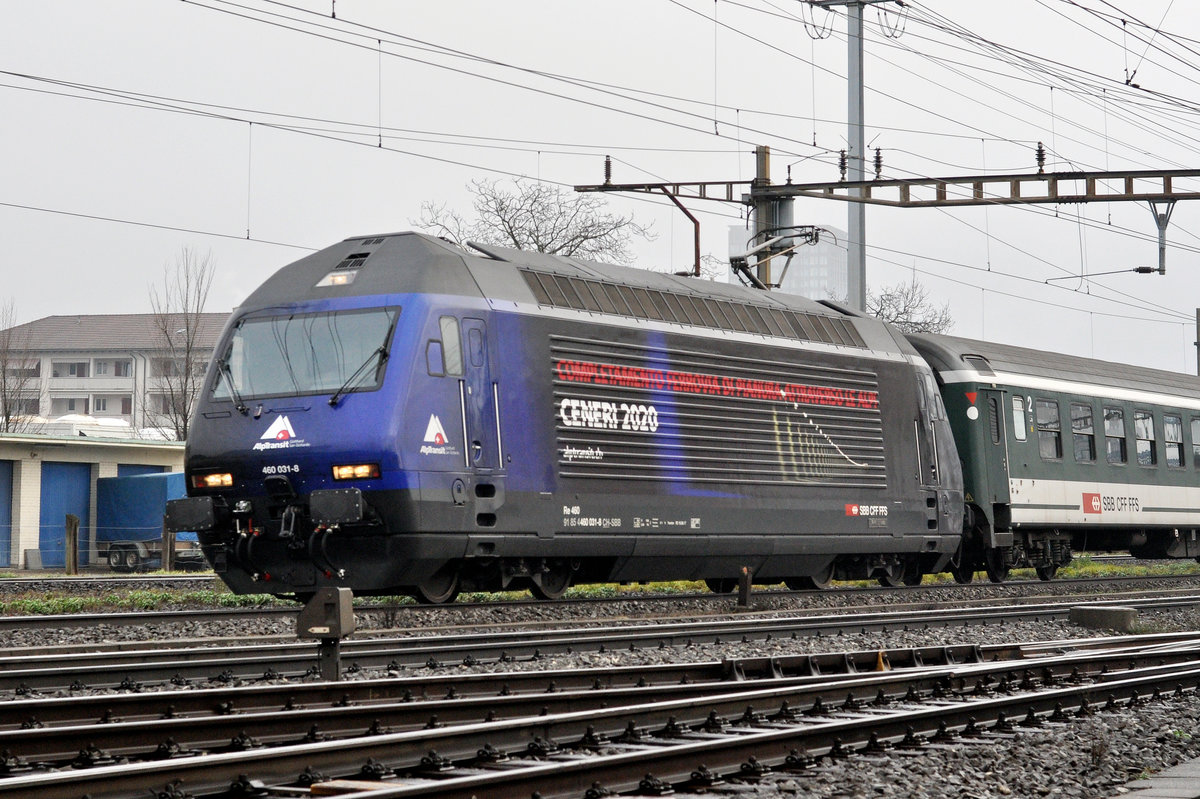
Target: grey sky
121, 184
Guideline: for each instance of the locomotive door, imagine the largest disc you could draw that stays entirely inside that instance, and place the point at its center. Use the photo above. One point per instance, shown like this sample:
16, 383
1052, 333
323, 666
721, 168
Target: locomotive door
479, 397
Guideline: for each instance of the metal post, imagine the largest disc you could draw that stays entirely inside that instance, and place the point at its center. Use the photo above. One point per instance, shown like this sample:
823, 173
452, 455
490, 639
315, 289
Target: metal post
1198, 341
762, 211
1162, 219
856, 251
744, 583
328, 617
71, 545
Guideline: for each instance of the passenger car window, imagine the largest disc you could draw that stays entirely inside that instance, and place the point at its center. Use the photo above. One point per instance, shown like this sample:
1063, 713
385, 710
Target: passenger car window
1114, 435
1143, 430
1049, 428
1196, 442
1173, 440
1019, 418
1083, 433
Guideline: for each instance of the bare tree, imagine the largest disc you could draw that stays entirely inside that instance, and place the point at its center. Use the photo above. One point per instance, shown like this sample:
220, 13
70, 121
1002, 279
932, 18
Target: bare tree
18, 374
178, 307
909, 307
540, 217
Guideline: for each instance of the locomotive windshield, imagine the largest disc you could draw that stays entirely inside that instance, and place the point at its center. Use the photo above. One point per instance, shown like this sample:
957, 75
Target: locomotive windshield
296, 354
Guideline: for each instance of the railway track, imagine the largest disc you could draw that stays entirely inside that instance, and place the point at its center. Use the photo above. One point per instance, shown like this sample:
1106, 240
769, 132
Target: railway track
661, 736
164, 663
397, 612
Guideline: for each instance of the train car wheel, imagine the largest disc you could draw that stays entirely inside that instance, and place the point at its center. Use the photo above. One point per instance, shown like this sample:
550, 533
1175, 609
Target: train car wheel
994, 565
552, 583
438, 588
1046, 573
721, 585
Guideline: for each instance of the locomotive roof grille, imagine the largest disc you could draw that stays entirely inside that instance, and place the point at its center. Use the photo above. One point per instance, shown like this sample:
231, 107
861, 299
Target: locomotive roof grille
595, 296
353, 260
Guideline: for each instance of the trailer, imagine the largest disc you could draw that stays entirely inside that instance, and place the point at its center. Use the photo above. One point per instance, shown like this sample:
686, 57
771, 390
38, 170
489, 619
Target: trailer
129, 523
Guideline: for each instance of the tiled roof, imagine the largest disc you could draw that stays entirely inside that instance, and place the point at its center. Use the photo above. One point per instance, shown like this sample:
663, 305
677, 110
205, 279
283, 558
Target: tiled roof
123, 332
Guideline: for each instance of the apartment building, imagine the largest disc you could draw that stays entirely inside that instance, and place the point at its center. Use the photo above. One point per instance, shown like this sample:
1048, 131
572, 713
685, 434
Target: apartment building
110, 373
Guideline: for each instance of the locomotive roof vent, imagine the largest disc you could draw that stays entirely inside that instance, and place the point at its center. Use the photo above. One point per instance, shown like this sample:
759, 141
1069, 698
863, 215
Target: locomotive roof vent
354, 260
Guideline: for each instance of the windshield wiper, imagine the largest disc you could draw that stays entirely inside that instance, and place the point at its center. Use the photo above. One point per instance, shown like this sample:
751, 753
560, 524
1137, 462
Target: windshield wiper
381, 353
233, 392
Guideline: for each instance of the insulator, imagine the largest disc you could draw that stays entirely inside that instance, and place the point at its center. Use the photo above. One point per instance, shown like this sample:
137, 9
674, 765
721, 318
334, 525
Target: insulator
1041, 158
878, 163
607, 170
842, 163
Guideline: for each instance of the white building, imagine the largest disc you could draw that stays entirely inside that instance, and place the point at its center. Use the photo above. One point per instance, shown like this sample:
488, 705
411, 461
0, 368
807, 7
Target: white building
100, 372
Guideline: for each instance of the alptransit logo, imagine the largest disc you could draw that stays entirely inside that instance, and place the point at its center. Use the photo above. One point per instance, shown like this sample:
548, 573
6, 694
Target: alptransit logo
435, 439
280, 435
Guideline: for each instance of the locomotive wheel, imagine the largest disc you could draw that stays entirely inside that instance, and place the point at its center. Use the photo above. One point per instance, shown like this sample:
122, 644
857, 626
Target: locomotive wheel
721, 585
816, 582
1046, 573
899, 573
438, 588
994, 565
963, 574
552, 583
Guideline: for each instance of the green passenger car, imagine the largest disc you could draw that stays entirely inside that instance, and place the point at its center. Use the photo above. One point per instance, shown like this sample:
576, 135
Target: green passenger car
1062, 454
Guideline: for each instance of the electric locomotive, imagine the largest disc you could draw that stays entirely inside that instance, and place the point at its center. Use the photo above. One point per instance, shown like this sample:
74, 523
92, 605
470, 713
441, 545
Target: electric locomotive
1064, 454
396, 414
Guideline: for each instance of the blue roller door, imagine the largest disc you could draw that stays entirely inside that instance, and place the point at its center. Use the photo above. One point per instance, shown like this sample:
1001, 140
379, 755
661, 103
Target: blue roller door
6, 478
66, 488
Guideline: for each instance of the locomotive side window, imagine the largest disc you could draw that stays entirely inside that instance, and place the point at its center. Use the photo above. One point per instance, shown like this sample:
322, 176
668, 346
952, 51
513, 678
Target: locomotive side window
1083, 432
434, 364
1049, 428
475, 340
1143, 430
1019, 418
994, 419
451, 345
1114, 435
1173, 440
1195, 425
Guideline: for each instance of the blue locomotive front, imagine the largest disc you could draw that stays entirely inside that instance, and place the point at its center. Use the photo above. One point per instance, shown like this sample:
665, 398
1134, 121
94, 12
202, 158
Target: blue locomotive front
295, 459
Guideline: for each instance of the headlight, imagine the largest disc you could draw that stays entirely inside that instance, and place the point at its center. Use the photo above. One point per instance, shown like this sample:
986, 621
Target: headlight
213, 480
356, 471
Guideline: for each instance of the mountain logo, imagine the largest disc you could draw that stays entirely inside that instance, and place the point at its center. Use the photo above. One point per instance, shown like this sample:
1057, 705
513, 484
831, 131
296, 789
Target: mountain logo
280, 430
434, 432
